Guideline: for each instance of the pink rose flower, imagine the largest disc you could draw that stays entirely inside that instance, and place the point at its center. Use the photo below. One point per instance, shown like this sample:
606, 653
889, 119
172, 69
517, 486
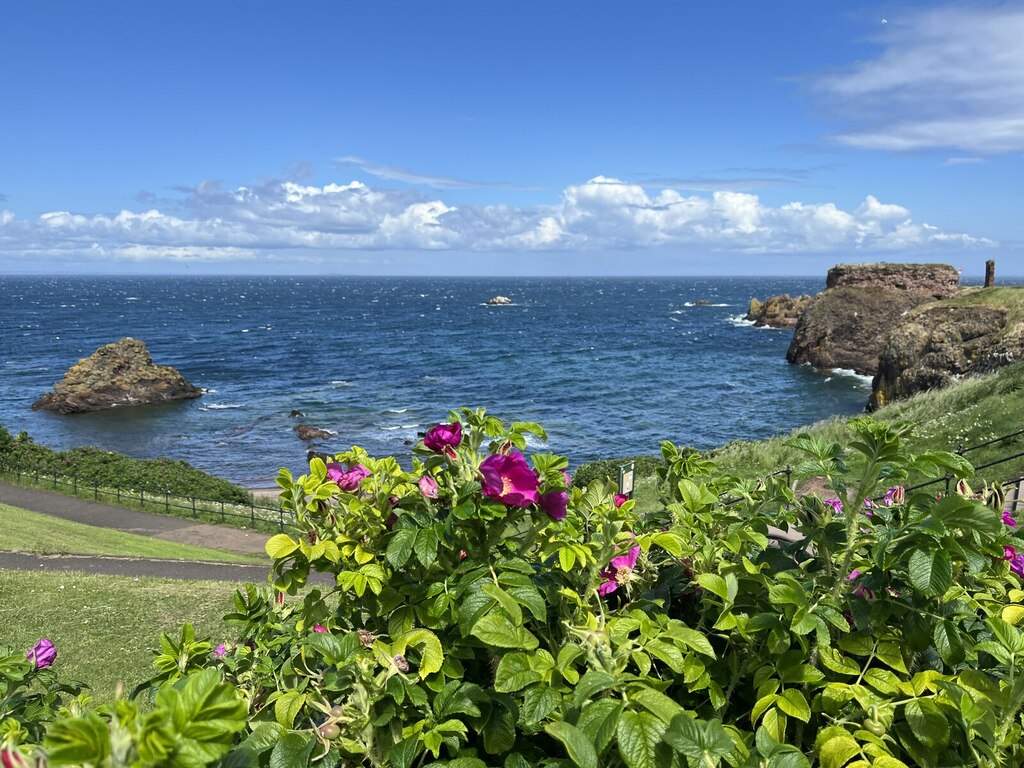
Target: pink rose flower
320, 628
444, 438
618, 571
43, 653
893, 496
836, 504
347, 480
220, 651
620, 499
555, 503
509, 479
428, 487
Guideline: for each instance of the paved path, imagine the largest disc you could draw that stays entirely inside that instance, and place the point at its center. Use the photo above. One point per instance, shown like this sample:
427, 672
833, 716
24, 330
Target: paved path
196, 570
134, 521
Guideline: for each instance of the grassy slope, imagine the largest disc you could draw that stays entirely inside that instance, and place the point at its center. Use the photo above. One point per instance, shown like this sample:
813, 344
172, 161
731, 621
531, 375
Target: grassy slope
969, 412
105, 627
25, 531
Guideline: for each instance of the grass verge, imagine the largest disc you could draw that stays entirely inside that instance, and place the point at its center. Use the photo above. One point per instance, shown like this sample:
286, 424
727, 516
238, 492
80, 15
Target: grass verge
105, 627
25, 531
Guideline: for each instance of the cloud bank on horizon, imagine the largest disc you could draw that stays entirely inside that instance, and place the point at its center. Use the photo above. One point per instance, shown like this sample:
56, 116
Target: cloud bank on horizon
285, 219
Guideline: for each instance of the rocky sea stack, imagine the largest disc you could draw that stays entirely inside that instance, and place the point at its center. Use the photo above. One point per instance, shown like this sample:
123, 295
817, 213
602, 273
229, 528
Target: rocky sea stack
846, 325
115, 375
782, 311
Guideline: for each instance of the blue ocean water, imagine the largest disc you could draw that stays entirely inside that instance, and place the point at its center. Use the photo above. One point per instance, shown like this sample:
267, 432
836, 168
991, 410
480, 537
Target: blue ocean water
609, 366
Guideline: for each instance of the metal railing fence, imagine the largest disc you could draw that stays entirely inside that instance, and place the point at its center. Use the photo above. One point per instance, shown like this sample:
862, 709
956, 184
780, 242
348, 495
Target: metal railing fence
254, 513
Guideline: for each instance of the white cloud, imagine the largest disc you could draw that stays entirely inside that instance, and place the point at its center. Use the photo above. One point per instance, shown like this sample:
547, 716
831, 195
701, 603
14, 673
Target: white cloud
279, 220
950, 78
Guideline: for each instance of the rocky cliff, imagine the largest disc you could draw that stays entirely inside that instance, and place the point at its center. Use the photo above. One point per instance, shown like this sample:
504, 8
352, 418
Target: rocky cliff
976, 332
118, 374
782, 311
846, 325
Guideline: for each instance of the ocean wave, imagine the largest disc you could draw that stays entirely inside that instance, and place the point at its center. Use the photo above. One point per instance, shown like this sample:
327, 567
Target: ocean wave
221, 406
342, 383
740, 321
676, 312
393, 427
849, 372
208, 390
396, 410
698, 304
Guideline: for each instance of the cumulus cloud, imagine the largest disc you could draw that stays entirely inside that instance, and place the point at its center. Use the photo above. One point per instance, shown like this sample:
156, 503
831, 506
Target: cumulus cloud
286, 219
945, 78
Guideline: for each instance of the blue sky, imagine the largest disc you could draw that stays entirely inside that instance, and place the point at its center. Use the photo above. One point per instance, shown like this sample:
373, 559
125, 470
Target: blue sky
574, 137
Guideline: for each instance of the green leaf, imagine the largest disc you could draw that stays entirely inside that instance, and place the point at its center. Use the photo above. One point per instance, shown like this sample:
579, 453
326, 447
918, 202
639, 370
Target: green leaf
425, 546
514, 673
400, 547
206, 714
280, 546
496, 630
292, 751
576, 743
506, 601
499, 730
715, 584
838, 751
1007, 635
704, 741
930, 572
792, 702
692, 639
539, 702
948, 643
639, 734
592, 682
927, 723
77, 740
598, 720
431, 655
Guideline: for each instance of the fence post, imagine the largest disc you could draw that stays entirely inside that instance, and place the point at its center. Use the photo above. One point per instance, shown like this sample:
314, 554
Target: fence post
193, 505
167, 503
252, 514
96, 491
280, 519
142, 497
948, 478
789, 475
222, 510
74, 480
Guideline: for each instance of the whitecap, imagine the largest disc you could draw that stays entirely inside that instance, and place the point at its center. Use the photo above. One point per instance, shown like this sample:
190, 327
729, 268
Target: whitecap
342, 383
396, 410
741, 321
209, 390
674, 319
221, 406
853, 375
132, 298
394, 427
245, 330
676, 312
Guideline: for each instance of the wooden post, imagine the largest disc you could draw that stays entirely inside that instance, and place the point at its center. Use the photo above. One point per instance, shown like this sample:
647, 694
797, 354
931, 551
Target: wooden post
990, 273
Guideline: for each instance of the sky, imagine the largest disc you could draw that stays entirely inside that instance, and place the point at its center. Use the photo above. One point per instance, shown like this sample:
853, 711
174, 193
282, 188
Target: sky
577, 137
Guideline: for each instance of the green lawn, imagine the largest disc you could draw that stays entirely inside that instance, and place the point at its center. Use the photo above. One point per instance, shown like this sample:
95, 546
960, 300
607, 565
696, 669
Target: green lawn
25, 531
105, 627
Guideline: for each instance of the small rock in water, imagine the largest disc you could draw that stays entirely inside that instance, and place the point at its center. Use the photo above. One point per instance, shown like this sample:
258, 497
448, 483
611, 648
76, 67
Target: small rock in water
306, 432
296, 414
499, 300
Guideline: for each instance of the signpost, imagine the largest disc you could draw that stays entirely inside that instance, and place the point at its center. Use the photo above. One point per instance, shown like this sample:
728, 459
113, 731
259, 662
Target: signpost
626, 479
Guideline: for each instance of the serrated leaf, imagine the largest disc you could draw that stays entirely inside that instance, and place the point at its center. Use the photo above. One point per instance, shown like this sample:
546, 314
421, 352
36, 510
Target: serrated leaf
598, 720
77, 741
927, 723
514, 673
792, 702
639, 734
400, 547
496, 630
576, 743
930, 571
280, 546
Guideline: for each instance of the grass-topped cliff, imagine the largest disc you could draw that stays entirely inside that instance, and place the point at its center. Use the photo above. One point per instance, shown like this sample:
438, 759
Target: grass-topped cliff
966, 413
975, 331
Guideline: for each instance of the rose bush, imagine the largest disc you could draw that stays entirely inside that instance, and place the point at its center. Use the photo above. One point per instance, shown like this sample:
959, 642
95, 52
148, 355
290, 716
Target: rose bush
478, 610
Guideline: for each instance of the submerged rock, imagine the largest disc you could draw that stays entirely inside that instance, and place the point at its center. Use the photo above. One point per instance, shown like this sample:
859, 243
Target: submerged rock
115, 375
846, 325
938, 343
782, 311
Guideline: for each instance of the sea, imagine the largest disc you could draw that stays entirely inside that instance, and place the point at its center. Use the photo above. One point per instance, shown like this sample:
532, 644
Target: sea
610, 367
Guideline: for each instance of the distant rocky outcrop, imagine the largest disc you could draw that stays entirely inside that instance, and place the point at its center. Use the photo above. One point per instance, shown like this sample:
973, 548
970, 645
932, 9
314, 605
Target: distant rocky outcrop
118, 374
937, 343
500, 301
846, 325
306, 432
782, 311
